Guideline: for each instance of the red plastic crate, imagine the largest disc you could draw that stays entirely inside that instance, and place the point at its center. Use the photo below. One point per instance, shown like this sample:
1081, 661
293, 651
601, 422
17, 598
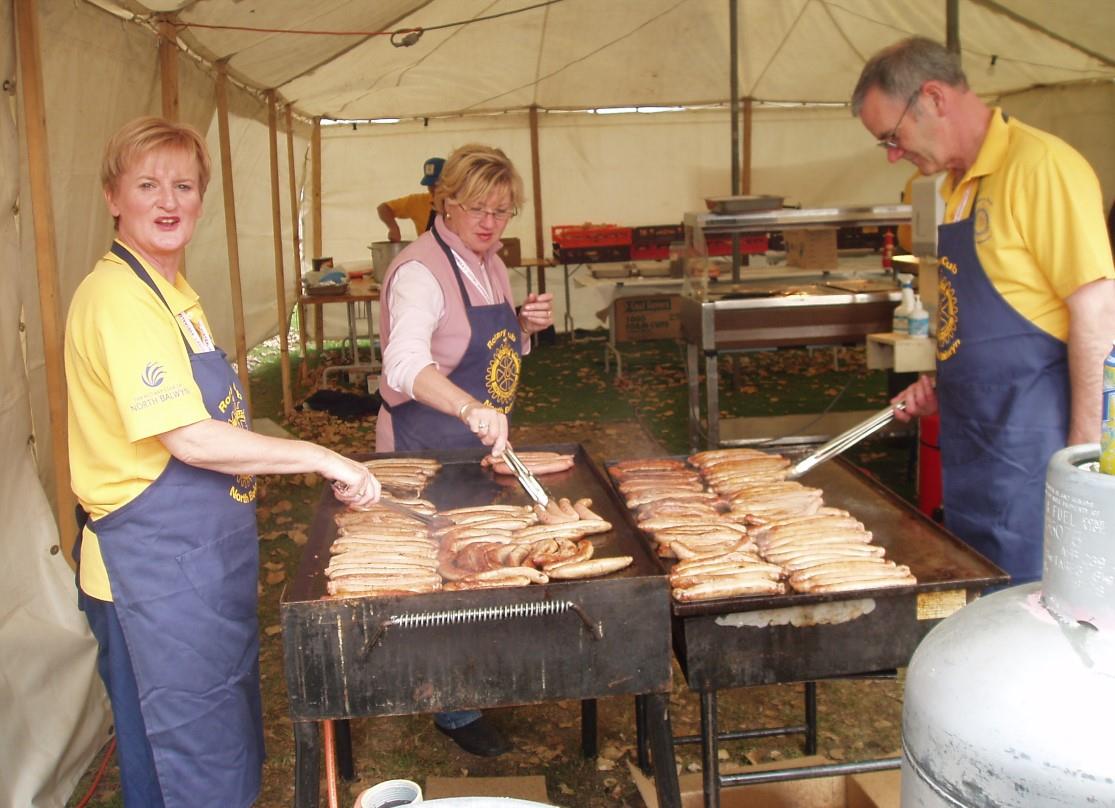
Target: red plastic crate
590, 235
748, 245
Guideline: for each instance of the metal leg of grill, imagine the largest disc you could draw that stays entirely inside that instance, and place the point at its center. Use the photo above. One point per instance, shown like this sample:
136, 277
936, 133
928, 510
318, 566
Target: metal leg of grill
810, 718
588, 728
307, 764
709, 742
342, 739
642, 741
656, 708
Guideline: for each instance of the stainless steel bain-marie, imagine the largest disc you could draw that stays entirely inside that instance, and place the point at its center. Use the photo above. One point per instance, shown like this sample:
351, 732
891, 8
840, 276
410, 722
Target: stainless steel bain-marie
1010, 702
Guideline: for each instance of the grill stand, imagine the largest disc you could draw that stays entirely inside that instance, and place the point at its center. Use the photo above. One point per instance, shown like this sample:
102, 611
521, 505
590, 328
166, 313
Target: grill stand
710, 738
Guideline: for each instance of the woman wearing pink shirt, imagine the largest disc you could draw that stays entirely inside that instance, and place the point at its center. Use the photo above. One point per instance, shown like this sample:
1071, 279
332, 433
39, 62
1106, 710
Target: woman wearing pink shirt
453, 341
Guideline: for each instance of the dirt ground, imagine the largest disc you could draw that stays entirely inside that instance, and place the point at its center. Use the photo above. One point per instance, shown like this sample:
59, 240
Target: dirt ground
858, 719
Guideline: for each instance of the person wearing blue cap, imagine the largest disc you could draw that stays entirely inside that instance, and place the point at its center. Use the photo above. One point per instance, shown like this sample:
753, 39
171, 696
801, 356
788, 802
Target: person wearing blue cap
419, 208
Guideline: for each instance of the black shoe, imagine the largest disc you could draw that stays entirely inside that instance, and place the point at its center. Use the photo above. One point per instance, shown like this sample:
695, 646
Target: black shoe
478, 738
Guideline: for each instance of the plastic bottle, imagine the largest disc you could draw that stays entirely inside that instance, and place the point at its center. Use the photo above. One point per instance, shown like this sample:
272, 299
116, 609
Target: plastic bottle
888, 249
901, 322
918, 319
1107, 427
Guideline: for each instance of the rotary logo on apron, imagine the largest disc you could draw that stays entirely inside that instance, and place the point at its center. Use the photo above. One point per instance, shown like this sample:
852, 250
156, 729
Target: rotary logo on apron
502, 377
948, 311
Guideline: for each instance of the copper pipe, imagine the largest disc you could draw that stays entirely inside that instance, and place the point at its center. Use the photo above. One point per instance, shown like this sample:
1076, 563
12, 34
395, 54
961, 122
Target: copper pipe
330, 764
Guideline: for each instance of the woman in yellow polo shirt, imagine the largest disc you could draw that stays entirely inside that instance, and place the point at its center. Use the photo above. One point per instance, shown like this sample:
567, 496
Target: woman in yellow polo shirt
163, 462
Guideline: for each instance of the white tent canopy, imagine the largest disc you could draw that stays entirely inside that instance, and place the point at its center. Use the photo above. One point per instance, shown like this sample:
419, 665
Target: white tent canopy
474, 71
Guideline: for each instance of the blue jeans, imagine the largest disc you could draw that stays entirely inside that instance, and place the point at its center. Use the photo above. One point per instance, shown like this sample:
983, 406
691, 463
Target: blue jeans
456, 719
138, 782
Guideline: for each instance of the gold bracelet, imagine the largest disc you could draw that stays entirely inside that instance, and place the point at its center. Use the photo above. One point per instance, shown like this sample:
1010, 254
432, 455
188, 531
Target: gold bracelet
464, 407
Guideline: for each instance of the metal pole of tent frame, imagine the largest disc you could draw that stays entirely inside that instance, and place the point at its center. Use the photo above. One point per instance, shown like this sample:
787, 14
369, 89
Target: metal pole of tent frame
277, 230
733, 28
230, 231
46, 260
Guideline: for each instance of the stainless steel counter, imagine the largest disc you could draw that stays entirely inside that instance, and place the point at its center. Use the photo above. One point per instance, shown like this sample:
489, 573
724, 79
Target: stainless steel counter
824, 309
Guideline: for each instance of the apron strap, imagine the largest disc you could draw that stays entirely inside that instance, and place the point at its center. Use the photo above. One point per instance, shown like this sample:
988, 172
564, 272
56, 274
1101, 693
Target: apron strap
452, 265
430, 219
121, 251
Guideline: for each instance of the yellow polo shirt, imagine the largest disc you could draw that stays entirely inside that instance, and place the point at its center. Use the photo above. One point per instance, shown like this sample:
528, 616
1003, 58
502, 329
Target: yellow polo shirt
415, 207
1040, 227
129, 379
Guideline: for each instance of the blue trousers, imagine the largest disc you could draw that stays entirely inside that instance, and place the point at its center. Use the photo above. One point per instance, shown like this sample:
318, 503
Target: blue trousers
138, 782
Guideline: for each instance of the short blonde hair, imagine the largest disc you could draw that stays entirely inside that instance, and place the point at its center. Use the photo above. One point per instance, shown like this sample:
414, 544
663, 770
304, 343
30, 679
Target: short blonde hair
147, 134
473, 172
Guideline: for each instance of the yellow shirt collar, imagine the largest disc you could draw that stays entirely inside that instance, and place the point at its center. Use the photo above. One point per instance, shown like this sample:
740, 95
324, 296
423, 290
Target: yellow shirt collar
180, 296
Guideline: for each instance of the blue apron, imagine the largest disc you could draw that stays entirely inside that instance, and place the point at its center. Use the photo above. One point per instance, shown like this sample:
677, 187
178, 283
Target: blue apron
1003, 392
183, 560
488, 371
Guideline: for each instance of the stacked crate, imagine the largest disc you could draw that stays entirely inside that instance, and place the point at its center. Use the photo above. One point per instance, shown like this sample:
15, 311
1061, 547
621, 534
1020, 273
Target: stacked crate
652, 242
590, 243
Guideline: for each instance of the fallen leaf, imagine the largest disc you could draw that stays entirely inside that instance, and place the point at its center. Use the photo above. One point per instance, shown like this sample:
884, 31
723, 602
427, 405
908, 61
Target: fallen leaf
275, 577
271, 631
604, 765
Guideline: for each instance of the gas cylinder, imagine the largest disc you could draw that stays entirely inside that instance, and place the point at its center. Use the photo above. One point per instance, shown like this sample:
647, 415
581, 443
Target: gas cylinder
1010, 701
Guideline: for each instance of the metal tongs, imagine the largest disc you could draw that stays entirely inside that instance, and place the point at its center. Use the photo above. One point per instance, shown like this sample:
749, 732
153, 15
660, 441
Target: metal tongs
844, 440
526, 478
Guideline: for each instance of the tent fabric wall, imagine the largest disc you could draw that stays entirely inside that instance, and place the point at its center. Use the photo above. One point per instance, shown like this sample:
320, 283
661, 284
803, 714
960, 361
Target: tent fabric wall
56, 713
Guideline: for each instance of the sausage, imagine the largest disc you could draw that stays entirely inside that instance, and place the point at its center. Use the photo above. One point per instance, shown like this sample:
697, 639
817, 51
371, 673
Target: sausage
727, 587
530, 573
873, 583
490, 583
590, 568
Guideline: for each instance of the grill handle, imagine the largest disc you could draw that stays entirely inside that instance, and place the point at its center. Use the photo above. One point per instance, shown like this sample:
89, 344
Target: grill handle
485, 614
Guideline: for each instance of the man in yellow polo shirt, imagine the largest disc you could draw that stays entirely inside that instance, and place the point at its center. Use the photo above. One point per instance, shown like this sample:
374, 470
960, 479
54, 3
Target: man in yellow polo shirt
1026, 294
419, 208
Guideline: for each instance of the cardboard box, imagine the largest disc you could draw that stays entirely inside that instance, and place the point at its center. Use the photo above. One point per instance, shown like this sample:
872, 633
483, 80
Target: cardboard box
531, 788
811, 249
644, 317
872, 790
511, 252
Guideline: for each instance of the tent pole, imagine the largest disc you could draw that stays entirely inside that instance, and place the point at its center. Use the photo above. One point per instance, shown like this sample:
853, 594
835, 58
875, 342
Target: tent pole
277, 230
733, 36
745, 179
230, 231
46, 260
536, 183
315, 146
296, 287
168, 65
952, 26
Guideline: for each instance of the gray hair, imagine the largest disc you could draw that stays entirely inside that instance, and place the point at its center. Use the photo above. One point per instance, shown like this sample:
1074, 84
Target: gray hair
900, 70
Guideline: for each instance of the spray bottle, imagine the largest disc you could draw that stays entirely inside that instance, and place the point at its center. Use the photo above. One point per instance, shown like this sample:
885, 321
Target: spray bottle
918, 319
901, 322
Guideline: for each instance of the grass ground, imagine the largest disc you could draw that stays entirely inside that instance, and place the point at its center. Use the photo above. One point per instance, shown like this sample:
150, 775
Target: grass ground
566, 396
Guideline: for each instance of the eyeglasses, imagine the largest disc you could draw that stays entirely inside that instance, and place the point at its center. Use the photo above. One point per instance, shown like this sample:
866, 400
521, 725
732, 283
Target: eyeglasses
890, 139
478, 212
